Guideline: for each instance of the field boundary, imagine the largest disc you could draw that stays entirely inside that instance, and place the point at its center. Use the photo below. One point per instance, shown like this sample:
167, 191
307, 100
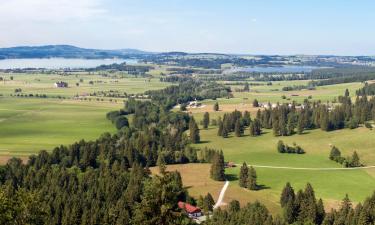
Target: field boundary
311, 168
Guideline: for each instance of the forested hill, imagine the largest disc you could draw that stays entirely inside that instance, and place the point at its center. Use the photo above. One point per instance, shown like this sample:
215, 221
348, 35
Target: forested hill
65, 51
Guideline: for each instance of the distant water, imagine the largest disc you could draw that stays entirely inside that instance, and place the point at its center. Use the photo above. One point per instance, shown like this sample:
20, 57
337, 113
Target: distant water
59, 63
274, 69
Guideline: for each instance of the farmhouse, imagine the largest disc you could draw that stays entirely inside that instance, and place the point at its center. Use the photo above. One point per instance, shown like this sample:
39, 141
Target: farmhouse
61, 84
192, 211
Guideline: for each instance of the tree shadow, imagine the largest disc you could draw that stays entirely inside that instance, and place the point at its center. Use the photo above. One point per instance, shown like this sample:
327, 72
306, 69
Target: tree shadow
204, 142
262, 187
231, 177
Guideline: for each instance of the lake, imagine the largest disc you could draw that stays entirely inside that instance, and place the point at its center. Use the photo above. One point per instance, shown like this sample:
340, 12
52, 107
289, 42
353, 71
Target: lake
274, 69
59, 63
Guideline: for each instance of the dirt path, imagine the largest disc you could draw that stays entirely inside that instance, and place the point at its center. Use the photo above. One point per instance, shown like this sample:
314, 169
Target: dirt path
307, 168
219, 201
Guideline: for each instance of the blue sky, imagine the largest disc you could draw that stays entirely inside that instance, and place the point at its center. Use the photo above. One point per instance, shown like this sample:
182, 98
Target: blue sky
343, 27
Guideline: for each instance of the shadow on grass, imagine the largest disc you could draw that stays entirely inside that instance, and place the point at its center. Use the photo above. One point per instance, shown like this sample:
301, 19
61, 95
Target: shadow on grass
231, 177
204, 142
263, 187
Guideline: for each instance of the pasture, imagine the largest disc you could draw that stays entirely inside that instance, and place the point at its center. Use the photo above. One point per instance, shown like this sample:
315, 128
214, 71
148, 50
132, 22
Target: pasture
274, 94
29, 124
331, 185
87, 84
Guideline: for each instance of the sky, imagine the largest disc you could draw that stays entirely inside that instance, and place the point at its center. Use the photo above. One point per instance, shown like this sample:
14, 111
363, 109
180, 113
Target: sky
339, 27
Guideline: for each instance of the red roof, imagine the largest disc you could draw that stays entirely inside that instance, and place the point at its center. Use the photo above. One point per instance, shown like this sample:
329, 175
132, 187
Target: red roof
188, 208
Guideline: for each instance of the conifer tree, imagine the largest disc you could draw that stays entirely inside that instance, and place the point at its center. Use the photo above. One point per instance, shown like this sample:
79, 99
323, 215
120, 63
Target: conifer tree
216, 106
238, 130
244, 175
347, 94
208, 203
355, 160
320, 212
194, 131
246, 118
220, 129
206, 120
287, 195
335, 154
217, 171
255, 103
300, 124
255, 128
252, 180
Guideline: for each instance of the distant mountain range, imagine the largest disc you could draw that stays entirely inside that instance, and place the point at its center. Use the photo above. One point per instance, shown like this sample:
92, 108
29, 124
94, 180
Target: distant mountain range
66, 51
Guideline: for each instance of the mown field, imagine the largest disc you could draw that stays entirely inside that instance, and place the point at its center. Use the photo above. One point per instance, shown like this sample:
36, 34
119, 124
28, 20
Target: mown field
29, 124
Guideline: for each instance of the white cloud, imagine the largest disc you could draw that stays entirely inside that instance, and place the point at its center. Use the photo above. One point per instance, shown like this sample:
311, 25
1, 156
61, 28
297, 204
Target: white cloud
27, 11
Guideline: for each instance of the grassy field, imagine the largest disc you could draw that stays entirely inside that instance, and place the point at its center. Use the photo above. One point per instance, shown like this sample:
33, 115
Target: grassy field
29, 125
274, 93
44, 84
330, 185
197, 181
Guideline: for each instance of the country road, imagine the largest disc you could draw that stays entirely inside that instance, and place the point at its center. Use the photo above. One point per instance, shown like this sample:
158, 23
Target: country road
221, 196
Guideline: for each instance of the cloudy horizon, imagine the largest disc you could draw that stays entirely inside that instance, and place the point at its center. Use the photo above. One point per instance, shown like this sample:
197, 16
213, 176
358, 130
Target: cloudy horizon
241, 27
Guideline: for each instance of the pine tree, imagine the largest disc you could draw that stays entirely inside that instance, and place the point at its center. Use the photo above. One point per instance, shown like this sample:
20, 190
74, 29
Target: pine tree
217, 171
287, 195
354, 162
206, 120
194, 131
224, 132
290, 125
208, 203
246, 118
320, 212
252, 180
216, 106
335, 154
347, 94
255, 128
300, 124
255, 103
221, 127
244, 175
289, 212
238, 130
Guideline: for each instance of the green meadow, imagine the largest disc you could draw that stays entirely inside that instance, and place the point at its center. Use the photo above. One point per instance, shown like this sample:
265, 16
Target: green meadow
29, 124
44, 84
329, 184
274, 93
